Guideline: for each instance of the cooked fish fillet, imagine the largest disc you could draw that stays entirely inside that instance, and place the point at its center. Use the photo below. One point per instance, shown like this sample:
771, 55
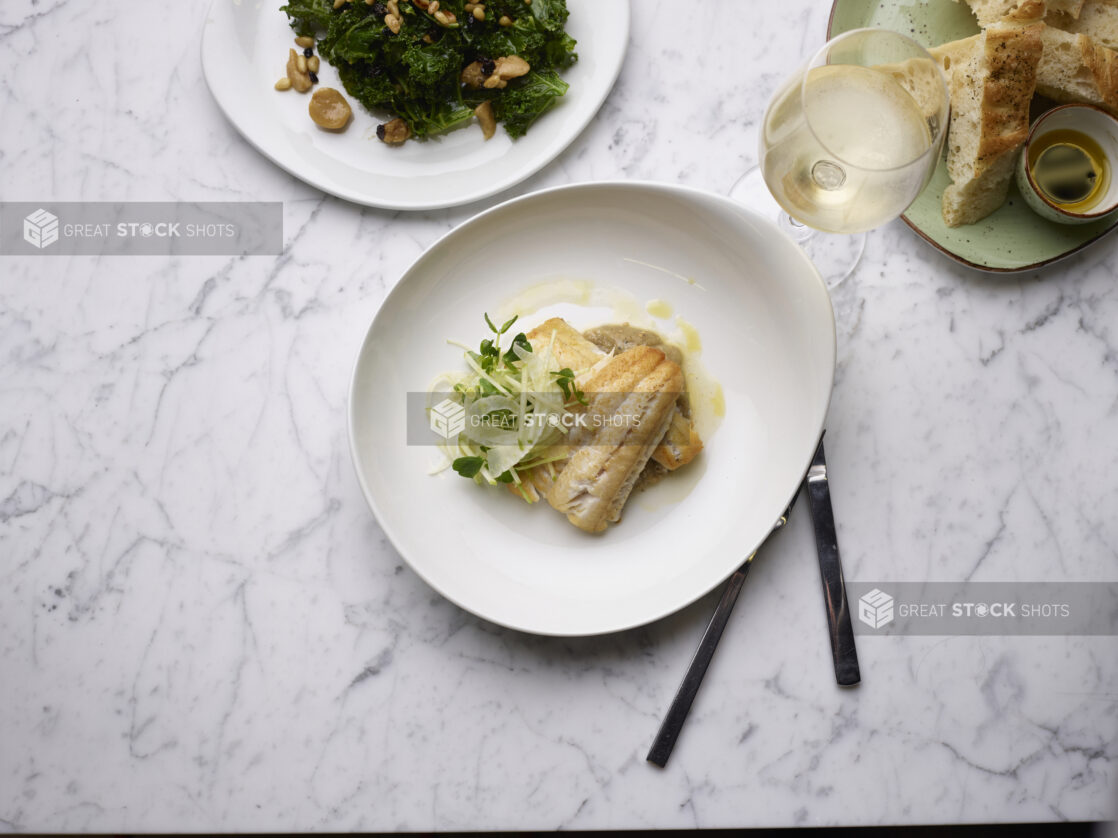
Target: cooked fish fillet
570, 348
607, 457
537, 481
680, 445
572, 351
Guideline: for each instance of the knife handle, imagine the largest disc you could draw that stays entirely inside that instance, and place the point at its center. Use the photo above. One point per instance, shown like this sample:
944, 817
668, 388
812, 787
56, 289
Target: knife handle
845, 655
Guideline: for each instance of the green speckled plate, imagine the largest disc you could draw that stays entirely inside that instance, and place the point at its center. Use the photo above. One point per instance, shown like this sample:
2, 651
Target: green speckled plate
1012, 239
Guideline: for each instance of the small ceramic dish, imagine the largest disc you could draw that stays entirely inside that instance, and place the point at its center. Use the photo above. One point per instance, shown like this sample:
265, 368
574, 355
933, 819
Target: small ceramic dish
1078, 185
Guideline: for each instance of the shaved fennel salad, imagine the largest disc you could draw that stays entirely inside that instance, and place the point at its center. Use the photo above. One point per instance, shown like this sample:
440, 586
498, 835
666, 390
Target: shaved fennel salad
516, 400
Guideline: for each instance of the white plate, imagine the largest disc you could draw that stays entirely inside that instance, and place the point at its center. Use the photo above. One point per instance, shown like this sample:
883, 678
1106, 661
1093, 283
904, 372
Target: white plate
768, 337
244, 51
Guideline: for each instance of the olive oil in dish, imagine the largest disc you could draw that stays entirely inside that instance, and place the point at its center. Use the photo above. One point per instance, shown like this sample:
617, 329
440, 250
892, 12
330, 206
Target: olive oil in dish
1070, 169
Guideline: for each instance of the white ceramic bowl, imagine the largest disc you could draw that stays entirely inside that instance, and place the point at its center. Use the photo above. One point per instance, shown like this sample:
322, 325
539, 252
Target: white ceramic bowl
1096, 124
768, 337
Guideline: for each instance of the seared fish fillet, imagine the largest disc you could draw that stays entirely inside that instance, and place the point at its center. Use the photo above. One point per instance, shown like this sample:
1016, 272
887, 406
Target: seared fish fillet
638, 386
573, 351
681, 444
538, 480
570, 348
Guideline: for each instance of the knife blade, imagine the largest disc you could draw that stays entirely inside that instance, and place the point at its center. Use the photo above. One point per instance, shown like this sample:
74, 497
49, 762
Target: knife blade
841, 631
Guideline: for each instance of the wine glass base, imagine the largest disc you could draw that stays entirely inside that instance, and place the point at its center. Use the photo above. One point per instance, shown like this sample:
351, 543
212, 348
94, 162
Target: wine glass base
835, 255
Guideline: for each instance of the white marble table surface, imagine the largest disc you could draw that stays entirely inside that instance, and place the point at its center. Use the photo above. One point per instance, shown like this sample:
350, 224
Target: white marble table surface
202, 626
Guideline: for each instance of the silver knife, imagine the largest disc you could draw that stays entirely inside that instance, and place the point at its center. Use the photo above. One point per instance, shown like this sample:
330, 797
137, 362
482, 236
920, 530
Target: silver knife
830, 569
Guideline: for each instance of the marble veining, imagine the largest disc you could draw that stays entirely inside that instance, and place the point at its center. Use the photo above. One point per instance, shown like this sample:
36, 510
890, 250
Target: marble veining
202, 627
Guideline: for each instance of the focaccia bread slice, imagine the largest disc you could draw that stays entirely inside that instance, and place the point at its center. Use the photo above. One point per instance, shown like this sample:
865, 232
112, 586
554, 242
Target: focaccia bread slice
992, 80
1075, 68
990, 12
954, 53
920, 77
1098, 19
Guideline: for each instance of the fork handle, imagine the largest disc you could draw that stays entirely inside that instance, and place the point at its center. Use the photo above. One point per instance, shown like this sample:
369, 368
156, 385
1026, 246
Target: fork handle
689, 687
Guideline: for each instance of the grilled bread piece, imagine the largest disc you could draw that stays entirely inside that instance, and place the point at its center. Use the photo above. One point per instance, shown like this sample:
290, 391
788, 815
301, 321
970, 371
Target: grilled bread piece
1098, 19
631, 402
921, 78
1075, 68
992, 79
1078, 62
1071, 8
953, 53
990, 12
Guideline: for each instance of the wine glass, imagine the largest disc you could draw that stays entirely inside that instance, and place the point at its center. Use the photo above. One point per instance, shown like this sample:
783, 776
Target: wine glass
847, 143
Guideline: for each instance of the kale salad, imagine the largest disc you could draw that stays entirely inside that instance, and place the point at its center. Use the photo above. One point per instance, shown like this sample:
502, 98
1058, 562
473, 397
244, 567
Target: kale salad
438, 64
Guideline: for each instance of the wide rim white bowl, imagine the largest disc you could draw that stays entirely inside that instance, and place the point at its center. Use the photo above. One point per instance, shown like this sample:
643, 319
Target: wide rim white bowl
768, 337
244, 50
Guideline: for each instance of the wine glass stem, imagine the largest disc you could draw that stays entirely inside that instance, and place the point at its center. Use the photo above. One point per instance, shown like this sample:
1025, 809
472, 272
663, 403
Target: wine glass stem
799, 232
835, 255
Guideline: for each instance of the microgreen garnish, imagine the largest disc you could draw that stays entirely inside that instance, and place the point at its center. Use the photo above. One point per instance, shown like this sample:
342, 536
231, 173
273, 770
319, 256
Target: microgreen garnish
512, 398
565, 378
468, 466
489, 355
504, 328
511, 357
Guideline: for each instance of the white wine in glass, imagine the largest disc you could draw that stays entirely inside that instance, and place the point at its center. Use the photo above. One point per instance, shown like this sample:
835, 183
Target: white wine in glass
854, 136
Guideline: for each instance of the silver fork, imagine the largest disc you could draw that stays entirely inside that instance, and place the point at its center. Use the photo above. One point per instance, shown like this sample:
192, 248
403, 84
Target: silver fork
689, 687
